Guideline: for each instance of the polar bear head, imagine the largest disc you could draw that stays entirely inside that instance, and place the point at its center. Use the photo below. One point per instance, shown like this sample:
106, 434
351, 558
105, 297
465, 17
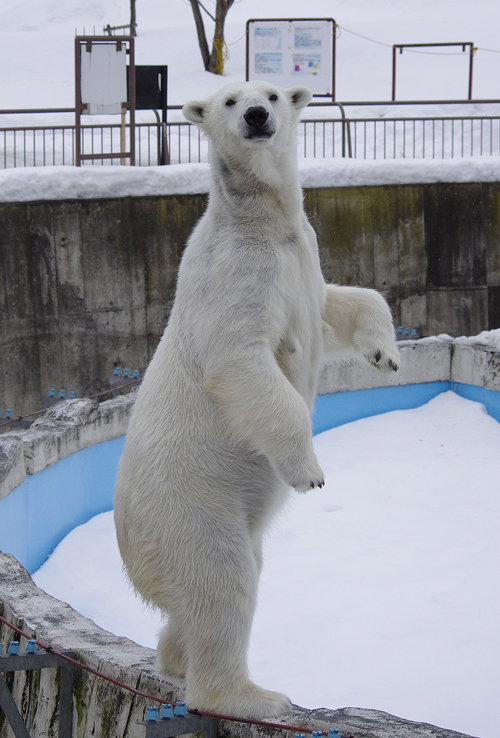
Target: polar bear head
249, 115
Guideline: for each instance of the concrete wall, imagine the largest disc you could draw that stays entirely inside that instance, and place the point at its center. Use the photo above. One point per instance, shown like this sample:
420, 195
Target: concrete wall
88, 284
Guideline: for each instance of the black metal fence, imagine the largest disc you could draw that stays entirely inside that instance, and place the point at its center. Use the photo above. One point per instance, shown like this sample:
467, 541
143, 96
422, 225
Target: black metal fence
377, 137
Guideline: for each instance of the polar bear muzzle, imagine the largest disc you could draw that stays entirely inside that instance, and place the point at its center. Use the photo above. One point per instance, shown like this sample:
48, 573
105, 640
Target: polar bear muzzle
258, 124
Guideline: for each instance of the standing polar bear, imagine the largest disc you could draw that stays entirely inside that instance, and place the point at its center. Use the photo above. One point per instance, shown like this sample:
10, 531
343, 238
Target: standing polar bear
221, 427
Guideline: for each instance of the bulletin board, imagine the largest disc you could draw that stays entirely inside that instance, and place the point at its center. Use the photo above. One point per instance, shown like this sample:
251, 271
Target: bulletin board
105, 85
288, 52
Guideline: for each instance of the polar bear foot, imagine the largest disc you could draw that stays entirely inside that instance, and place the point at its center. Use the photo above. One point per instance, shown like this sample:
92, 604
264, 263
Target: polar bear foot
246, 701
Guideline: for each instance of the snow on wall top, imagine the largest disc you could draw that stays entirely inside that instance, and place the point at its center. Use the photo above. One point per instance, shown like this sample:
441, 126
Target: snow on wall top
68, 183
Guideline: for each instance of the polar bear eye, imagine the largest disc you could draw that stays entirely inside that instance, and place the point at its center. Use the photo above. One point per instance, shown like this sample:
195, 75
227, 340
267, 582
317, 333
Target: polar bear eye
273, 97
230, 102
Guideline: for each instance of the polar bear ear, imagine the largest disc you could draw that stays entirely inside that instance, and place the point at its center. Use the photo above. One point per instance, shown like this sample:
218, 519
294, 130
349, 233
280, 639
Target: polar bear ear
195, 111
299, 96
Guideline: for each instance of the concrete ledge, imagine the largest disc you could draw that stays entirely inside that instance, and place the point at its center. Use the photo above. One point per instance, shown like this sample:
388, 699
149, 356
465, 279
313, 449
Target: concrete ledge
425, 360
66, 427
101, 709
12, 466
476, 364
72, 425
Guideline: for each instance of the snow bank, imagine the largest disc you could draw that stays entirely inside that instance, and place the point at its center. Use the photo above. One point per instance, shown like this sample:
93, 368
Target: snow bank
485, 338
68, 183
80, 183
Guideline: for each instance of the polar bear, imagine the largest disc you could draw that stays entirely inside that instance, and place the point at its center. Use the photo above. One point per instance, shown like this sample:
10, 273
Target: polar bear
221, 427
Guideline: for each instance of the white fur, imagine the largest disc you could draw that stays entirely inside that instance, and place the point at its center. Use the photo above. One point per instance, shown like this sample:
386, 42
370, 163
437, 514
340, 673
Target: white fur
221, 428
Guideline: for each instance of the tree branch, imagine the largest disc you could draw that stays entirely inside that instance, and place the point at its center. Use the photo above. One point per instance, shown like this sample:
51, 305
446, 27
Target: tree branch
200, 30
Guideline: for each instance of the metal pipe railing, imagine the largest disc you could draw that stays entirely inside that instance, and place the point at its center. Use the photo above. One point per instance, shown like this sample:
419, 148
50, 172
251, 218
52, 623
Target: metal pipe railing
415, 136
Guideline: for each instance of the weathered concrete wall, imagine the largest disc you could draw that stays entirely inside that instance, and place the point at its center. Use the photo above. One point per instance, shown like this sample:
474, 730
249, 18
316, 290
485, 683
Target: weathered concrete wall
85, 285
433, 250
88, 284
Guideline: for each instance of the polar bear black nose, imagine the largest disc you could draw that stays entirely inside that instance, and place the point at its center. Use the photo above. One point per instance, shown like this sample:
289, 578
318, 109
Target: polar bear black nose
256, 117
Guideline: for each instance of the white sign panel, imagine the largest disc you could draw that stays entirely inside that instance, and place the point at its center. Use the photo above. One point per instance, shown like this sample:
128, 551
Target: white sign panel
289, 52
103, 78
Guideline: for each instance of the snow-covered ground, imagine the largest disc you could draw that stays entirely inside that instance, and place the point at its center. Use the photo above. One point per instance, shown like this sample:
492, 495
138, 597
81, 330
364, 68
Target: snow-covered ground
378, 591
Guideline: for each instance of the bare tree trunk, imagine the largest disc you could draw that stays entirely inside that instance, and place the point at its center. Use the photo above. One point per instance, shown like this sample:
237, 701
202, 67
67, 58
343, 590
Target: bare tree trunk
216, 63
200, 30
133, 24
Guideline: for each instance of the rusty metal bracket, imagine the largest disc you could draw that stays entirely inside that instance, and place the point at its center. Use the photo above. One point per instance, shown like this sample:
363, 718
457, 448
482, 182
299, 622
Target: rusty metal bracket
31, 662
181, 726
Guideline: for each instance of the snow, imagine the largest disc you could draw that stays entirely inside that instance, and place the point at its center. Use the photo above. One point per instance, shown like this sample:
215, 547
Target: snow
66, 183
378, 591
486, 338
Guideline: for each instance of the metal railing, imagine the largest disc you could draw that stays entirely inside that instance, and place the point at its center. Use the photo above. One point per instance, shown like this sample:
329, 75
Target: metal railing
327, 137
400, 138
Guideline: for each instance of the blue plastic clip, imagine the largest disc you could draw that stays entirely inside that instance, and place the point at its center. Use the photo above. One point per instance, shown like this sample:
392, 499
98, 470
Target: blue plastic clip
151, 715
52, 392
407, 331
400, 330
72, 395
166, 712
135, 375
14, 647
8, 414
62, 393
180, 709
333, 731
126, 373
31, 646
116, 370
414, 332
1, 648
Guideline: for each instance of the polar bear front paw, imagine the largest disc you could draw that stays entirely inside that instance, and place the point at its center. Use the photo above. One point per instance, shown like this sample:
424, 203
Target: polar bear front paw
382, 356
304, 480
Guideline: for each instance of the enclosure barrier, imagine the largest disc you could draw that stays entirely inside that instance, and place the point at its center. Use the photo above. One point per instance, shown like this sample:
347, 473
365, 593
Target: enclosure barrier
395, 137
173, 721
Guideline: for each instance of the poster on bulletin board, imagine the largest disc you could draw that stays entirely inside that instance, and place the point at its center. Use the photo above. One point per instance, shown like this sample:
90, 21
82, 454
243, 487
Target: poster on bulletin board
289, 52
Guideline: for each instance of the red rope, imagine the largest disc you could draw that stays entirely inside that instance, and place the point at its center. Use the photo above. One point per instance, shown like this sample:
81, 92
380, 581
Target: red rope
152, 696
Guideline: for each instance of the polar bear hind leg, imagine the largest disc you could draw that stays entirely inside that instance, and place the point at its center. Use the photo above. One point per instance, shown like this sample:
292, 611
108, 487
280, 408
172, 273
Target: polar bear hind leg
208, 636
171, 651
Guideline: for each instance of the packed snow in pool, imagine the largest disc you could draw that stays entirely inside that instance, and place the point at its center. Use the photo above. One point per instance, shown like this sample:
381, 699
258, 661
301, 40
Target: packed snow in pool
378, 591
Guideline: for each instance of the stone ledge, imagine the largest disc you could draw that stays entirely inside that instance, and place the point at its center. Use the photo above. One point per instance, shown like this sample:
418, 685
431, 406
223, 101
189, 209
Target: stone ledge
101, 709
476, 364
424, 360
66, 427
72, 425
